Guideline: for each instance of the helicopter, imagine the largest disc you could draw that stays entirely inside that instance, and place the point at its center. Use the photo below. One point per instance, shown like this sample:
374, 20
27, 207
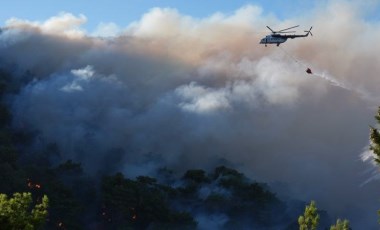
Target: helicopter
277, 37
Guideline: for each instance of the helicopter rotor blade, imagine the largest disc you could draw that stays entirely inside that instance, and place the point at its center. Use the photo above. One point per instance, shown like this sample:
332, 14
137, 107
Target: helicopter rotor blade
271, 29
288, 28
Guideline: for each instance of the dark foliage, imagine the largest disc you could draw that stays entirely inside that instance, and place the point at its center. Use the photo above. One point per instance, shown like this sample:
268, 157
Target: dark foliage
139, 205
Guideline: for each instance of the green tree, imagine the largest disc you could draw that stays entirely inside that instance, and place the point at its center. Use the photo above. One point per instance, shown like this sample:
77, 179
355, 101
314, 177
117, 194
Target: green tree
17, 212
310, 219
341, 225
375, 142
375, 139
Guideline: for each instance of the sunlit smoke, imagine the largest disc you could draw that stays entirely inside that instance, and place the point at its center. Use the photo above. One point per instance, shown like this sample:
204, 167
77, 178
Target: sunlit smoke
64, 23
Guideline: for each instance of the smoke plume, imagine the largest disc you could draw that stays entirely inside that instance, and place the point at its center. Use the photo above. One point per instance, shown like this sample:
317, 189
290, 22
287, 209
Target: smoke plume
182, 92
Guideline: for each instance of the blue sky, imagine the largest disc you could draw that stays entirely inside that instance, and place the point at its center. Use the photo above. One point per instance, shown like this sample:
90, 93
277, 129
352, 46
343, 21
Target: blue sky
123, 12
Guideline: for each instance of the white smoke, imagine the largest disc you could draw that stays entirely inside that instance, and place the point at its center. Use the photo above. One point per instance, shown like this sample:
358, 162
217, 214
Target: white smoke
184, 92
64, 23
107, 30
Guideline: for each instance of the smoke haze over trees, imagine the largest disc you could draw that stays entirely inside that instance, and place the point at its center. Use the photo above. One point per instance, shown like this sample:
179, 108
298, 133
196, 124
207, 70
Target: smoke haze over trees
180, 92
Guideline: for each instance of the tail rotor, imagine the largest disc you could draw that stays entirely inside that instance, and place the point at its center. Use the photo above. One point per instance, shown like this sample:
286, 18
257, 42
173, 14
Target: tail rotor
309, 31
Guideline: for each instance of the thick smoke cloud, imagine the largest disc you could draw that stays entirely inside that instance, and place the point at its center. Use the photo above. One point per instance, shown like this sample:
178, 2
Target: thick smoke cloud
181, 92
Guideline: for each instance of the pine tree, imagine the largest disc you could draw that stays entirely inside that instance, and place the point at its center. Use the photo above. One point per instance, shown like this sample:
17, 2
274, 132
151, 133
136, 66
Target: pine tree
310, 219
375, 140
341, 225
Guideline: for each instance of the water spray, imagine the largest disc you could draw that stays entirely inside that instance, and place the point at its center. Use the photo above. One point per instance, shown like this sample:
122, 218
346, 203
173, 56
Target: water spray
322, 75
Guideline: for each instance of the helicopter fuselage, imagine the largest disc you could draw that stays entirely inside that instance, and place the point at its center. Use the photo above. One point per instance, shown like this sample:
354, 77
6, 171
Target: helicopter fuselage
270, 39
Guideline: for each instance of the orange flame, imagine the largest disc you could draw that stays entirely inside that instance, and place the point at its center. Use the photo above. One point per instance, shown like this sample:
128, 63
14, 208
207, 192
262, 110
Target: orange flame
32, 185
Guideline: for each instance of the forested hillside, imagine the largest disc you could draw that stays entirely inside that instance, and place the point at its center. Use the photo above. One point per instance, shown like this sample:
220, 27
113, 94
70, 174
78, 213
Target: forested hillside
221, 198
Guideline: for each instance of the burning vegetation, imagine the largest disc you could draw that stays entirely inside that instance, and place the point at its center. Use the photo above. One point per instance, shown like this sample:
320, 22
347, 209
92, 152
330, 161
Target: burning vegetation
32, 185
